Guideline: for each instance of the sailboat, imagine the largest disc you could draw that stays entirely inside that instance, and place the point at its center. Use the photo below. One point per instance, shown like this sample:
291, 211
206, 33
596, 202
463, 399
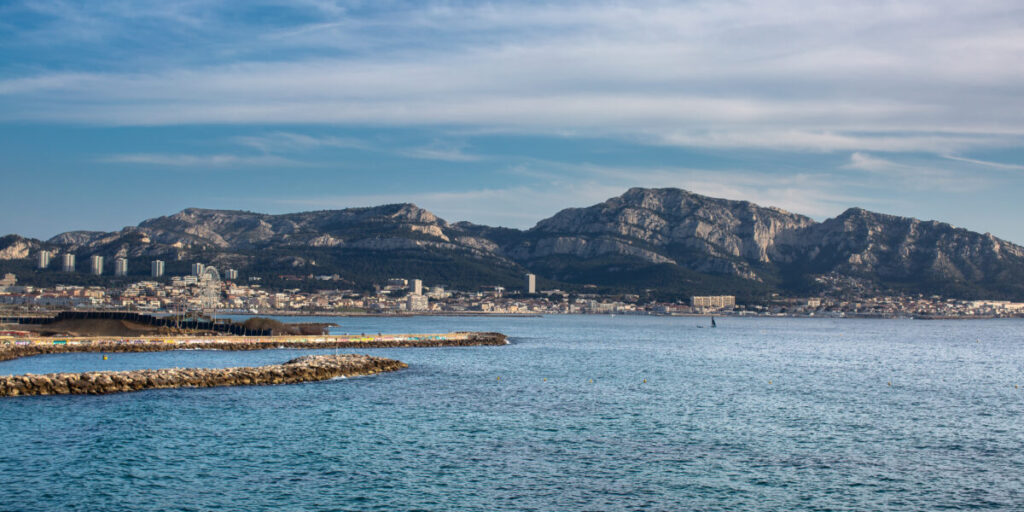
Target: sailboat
713, 324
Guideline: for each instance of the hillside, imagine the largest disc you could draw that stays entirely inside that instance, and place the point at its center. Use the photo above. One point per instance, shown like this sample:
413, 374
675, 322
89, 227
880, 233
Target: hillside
667, 240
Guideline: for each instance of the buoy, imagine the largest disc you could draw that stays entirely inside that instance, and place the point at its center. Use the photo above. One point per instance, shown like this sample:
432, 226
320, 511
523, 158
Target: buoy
890, 384
545, 379
645, 381
769, 382
591, 381
499, 378
104, 358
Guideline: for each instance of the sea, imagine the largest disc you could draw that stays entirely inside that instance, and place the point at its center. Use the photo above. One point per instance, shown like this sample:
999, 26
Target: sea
577, 413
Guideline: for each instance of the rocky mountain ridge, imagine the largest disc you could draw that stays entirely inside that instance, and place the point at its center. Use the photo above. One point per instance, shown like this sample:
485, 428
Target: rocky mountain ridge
663, 239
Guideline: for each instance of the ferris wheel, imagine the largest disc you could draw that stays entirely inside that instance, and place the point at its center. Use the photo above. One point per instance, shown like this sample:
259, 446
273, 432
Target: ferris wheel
209, 295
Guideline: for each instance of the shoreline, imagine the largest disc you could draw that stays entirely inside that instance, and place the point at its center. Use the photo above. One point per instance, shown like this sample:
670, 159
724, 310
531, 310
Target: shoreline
350, 314
478, 314
26, 347
302, 369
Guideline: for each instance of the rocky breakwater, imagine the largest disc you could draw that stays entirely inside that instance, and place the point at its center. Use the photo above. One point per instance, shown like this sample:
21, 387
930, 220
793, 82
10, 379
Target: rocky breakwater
462, 339
302, 369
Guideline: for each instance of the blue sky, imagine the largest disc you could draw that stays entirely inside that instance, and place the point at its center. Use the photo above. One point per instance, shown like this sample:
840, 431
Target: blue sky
504, 113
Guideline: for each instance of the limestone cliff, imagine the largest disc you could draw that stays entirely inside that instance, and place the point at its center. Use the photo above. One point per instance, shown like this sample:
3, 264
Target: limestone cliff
667, 239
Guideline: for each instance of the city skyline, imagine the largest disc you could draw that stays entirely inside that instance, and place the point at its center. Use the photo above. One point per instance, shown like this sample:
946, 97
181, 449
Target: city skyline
503, 114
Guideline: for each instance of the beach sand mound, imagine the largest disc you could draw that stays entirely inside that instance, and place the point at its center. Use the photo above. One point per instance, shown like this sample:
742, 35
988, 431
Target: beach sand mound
94, 327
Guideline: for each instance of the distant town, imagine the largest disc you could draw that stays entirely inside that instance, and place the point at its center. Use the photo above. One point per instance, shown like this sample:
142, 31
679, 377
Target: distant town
208, 291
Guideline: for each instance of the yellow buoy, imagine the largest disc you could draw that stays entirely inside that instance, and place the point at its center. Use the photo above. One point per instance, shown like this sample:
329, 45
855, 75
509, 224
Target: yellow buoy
769, 382
591, 381
499, 378
890, 383
545, 379
104, 358
645, 381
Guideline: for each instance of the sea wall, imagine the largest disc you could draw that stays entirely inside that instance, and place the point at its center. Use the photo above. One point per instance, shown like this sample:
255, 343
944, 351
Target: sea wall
302, 369
14, 350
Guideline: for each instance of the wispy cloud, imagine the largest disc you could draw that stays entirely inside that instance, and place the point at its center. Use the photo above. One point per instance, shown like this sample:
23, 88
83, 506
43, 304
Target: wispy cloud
777, 74
442, 152
986, 163
828, 141
292, 142
864, 162
917, 175
199, 161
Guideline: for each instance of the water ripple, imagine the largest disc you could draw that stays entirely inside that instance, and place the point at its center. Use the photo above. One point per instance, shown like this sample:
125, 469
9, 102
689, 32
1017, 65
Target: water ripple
760, 414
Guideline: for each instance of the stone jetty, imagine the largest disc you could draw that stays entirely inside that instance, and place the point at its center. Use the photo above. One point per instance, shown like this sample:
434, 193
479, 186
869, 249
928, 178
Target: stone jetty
302, 369
15, 348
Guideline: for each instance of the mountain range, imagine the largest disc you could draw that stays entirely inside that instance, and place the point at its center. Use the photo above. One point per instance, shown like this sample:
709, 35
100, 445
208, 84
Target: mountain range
663, 241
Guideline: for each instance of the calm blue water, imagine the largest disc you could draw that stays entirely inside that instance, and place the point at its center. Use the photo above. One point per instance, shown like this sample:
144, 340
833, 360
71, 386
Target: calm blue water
759, 414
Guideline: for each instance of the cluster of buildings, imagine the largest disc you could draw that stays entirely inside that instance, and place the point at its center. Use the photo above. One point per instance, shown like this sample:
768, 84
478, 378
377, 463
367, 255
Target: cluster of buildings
205, 289
885, 306
57, 297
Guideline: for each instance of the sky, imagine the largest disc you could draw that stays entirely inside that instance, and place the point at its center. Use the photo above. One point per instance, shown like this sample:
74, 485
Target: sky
504, 113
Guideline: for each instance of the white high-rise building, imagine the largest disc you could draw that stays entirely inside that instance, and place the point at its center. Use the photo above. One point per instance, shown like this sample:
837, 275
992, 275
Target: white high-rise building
44, 259
156, 268
231, 274
416, 302
67, 262
121, 267
417, 287
197, 269
96, 265
531, 283
713, 301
